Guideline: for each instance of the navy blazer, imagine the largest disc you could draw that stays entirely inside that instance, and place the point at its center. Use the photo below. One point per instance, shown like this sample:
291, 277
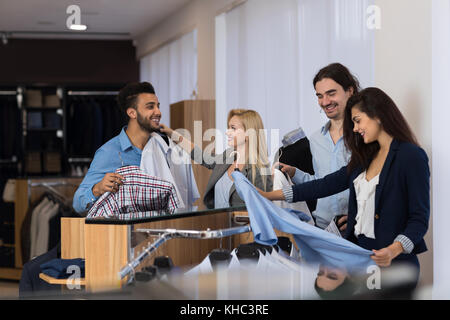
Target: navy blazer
402, 198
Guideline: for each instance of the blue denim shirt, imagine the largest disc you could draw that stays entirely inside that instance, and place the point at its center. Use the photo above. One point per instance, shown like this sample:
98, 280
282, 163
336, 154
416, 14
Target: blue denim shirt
117, 152
327, 158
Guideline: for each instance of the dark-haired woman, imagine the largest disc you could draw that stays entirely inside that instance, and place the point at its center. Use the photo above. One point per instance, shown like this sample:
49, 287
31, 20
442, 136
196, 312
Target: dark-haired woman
388, 177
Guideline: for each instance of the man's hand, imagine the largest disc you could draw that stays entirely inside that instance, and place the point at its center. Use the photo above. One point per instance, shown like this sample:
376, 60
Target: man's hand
342, 223
286, 169
110, 183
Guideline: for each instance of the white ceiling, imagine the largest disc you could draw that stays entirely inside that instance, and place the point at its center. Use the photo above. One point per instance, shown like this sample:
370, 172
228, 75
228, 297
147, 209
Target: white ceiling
106, 19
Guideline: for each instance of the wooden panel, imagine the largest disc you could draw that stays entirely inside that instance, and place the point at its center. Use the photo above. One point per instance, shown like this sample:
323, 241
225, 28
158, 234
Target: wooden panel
52, 280
188, 252
183, 114
72, 238
10, 273
106, 253
41, 61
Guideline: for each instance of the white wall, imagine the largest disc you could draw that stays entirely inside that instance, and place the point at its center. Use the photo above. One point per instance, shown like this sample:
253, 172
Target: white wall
403, 71
441, 150
198, 14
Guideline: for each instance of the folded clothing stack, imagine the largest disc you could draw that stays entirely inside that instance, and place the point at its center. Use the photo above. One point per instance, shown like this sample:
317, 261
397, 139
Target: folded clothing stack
63, 268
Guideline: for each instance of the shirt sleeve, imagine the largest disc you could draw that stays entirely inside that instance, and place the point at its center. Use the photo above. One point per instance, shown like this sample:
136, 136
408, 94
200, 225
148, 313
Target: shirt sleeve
418, 181
330, 184
407, 244
288, 193
198, 156
302, 177
84, 198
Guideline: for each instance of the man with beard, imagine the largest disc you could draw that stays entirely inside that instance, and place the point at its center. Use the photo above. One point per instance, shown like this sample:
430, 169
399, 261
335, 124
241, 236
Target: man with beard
334, 85
140, 103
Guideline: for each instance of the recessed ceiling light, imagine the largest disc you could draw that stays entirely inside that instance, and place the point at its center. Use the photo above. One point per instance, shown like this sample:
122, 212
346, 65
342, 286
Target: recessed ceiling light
78, 27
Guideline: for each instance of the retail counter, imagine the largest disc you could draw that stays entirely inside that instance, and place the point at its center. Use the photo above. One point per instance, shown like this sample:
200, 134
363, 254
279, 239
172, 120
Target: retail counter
108, 245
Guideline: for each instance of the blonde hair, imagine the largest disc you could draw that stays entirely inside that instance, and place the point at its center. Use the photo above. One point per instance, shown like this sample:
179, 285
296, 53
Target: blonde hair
257, 156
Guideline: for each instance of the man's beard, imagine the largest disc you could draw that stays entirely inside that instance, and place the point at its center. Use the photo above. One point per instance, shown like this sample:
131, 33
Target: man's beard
145, 125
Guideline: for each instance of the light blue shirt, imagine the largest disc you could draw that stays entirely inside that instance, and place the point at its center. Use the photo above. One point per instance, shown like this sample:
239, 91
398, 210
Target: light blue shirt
327, 158
222, 191
315, 245
117, 152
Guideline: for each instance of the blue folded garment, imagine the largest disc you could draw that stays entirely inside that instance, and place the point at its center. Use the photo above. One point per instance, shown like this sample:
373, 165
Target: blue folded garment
59, 268
315, 244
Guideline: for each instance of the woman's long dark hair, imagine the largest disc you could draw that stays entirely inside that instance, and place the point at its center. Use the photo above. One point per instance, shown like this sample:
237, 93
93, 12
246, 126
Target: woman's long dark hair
376, 104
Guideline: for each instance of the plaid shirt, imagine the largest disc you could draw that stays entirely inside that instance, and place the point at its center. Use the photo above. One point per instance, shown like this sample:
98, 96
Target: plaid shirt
140, 196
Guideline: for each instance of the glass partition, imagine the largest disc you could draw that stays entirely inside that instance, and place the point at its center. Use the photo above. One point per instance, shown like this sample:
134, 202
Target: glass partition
134, 218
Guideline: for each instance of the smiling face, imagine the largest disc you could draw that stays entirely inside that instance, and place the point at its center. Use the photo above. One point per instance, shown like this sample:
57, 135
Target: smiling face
235, 132
332, 98
369, 128
147, 110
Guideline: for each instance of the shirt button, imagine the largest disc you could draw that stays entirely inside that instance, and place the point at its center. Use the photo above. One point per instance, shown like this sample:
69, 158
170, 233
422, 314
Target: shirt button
377, 216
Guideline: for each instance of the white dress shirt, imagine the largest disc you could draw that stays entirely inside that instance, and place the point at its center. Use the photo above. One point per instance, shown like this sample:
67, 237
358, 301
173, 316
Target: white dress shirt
173, 164
365, 196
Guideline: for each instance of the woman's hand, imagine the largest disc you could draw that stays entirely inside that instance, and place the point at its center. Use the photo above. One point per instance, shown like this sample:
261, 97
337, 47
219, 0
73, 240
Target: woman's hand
165, 129
175, 136
384, 257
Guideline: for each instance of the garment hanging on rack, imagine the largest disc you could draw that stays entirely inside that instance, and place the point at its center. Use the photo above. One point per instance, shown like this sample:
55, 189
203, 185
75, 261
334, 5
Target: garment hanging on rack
91, 121
140, 196
316, 245
173, 164
296, 152
268, 274
10, 126
41, 227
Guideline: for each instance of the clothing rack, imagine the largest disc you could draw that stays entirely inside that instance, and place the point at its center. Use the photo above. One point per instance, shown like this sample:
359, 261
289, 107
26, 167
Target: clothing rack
8, 93
167, 234
12, 160
49, 186
76, 160
92, 93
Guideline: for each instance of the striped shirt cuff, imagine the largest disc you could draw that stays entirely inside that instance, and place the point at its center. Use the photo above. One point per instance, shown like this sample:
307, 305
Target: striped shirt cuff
288, 193
407, 244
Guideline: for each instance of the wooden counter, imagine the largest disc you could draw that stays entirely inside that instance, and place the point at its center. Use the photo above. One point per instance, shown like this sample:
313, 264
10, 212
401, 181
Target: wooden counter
108, 245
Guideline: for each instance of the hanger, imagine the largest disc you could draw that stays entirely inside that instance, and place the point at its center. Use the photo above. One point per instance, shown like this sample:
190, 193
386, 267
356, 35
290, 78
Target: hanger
247, 252
262, 247
219, 257
236, 154
285, 244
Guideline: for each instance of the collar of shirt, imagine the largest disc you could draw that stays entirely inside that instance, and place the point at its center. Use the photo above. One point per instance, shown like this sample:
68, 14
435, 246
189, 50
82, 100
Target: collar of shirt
161, 142
293, 136
125, 142
326, 127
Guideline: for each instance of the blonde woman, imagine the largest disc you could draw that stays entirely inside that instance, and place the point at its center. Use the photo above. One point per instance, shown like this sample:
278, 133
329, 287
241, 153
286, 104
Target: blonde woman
247, 151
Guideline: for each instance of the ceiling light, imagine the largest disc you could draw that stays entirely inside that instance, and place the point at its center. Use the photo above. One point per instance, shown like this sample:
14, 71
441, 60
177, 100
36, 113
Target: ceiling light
78, 27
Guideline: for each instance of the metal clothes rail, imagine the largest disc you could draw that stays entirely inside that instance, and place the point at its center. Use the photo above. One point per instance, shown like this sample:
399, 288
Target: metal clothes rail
50, 186
167, 234
92, 93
